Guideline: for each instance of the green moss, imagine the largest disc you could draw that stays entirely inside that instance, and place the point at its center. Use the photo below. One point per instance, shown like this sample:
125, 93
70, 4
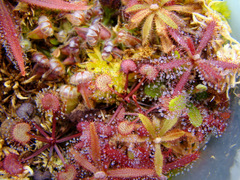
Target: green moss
110, 66
221, 7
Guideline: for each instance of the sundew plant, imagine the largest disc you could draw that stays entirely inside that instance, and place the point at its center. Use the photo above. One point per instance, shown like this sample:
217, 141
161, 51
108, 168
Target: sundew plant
112, 89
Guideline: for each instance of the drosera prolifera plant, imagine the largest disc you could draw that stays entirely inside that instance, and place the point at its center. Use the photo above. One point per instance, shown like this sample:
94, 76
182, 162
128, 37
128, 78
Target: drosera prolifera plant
115, 99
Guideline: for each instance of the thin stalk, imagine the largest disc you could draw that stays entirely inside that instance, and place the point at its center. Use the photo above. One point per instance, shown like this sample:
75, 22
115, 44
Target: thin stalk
134, 90
41, 130
138, 106
152, 108
43, 139
68, 138
37, 152
59, 153
54, 123
126, 84
116, 113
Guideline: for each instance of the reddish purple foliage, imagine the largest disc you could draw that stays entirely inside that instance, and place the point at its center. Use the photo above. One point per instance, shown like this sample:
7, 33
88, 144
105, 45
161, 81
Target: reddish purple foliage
50, 102
57, 5
181, 162
12, 165
10, 36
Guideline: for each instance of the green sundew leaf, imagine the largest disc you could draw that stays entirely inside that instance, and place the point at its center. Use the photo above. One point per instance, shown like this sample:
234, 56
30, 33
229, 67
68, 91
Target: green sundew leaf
167, 125
137, 7
158, 160
163, 2
148, 125
82, 160
160, 26
166, 19
156, 122
154, 89
167, 145
195, 116
173, 135
221, 7
147, 26
178, 103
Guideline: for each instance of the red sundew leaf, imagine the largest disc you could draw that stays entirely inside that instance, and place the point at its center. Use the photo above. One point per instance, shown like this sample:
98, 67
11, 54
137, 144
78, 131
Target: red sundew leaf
57, 5
183, 80
12, 165
181, 162
37, 152
82, 161
191, 45
172, 64
125, 127
10, 35
180, 40
50, 102
70, 173
130, 3
95, 145
130, 173
207, 35
139, 16
20, 133
208, 72
225, 115
223, 64
115, 155
149, 71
